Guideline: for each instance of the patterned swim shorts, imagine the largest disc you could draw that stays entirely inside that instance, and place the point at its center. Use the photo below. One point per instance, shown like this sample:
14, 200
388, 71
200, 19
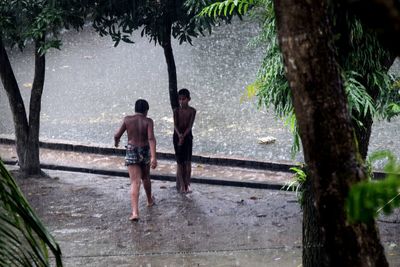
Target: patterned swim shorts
137, 155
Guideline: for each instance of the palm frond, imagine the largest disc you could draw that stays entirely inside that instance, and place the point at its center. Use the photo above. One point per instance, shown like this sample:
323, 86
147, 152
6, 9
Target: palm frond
227, 7
24, 241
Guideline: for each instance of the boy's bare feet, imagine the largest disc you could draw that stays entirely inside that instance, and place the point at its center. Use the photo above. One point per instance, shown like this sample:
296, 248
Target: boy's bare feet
183, 190
152, 202
189, 190
134, 218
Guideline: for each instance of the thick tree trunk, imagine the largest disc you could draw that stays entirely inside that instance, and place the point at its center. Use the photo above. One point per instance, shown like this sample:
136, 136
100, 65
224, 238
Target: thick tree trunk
326, 132
312, 246
16, 103
311, 235
26, 133
169, 57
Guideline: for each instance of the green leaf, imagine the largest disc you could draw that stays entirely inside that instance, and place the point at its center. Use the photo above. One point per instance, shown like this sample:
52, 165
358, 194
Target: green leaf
19, 225
368, 198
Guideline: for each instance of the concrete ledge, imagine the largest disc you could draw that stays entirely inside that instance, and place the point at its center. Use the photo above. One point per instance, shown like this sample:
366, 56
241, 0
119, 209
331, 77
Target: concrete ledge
222, 161
231, 162
170, 178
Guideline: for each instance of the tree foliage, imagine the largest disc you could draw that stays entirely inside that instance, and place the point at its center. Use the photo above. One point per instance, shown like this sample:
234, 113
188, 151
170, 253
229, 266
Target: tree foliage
227, 8
120, 18
23, 21
368, 198
24, 240
361, 69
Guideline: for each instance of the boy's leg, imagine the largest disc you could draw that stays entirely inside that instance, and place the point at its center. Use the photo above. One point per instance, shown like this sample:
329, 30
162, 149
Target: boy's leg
147, 184
180, 172
188, 164
135, 174
188, 174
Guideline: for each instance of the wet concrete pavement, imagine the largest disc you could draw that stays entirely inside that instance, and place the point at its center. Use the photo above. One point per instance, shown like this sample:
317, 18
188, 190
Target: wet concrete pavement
213, 226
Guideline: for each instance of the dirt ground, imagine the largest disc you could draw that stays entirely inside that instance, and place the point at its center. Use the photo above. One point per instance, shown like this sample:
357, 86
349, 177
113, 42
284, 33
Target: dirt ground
213, 226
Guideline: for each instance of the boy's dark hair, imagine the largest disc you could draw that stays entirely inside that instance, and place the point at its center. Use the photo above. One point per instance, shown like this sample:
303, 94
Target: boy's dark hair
141, 106
184, 92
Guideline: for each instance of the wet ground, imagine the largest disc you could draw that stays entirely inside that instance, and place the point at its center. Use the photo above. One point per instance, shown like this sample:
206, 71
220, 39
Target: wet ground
213, 226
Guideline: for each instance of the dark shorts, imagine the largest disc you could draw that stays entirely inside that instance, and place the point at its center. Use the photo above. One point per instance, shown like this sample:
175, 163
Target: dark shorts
137, 155
183, 152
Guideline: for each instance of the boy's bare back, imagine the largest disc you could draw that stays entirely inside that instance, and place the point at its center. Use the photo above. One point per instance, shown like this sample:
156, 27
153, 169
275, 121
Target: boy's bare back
138, 128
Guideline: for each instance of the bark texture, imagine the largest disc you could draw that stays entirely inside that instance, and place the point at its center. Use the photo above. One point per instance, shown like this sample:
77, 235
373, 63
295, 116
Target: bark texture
32, 164
16, 103
26, 132
169, 57
325, 128
312, 245
172, 77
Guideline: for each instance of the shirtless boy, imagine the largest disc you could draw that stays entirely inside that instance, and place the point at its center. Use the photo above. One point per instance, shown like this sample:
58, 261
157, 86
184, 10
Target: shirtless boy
140, 153
184, 117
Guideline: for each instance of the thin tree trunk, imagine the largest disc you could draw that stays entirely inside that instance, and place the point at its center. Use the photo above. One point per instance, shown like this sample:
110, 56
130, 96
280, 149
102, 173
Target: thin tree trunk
326, 132
172, 78
32, 165
16, 103
169, 57
363, 132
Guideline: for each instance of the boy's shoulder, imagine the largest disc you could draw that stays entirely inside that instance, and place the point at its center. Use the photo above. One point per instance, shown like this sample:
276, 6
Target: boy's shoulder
185, 110
128, 117
192, 109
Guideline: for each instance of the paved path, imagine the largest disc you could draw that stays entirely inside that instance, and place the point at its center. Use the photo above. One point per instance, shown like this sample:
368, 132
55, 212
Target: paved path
213, 226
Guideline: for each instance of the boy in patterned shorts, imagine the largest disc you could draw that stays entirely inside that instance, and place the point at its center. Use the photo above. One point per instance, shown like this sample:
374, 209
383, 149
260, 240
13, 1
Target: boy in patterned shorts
140, 153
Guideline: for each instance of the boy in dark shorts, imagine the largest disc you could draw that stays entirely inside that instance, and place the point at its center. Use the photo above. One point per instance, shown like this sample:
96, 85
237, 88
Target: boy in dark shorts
184, 117
140, 153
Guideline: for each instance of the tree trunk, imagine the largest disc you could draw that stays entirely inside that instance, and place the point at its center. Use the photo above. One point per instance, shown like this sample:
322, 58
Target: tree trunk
26, 133
311, 235
32, 161
363, 134
312, 247
172, 79
326, 132
169, 57
16, 103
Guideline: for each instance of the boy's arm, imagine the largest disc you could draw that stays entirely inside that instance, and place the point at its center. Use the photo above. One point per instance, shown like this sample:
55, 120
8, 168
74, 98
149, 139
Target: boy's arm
190, 125
152, 143
119, 133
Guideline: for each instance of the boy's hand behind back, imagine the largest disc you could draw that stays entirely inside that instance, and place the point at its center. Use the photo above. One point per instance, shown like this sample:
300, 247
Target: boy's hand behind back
181, 140
153, 163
